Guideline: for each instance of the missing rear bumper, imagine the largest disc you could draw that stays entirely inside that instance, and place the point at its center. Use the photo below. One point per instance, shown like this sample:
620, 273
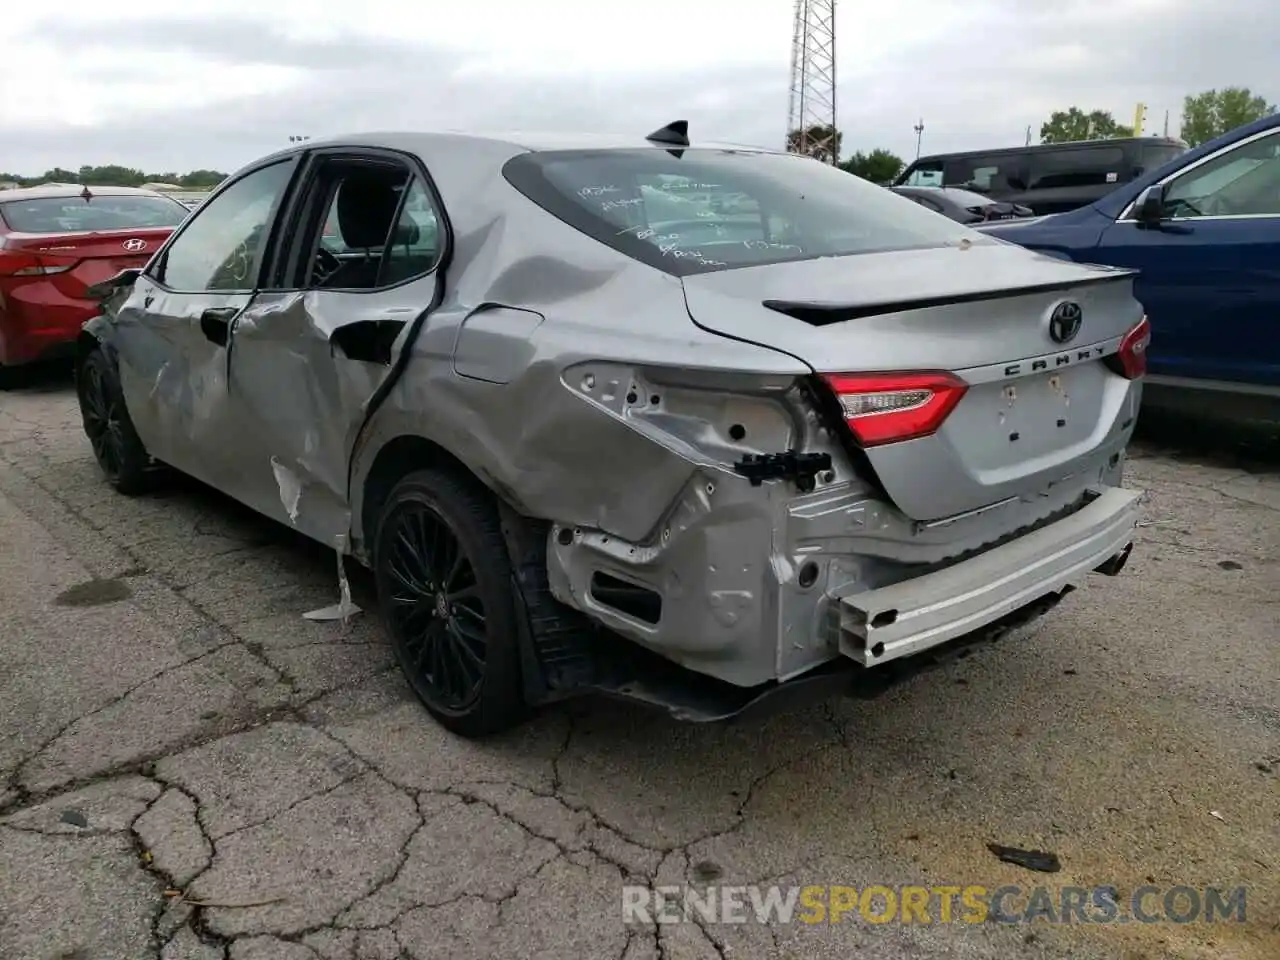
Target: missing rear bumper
906, 618
697, 698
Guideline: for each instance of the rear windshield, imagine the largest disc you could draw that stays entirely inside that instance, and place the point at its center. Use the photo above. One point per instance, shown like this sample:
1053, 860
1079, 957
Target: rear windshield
708, 210
74, 214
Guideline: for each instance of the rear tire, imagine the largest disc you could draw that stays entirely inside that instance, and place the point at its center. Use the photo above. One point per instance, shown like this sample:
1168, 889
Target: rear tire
445, 592
116, 445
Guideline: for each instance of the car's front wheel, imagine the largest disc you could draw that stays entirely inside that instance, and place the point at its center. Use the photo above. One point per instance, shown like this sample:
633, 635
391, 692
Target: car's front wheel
445, 590
116, 446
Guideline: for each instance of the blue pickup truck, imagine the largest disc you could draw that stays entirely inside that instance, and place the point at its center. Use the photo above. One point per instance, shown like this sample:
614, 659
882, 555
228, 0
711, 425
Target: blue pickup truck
1204, 232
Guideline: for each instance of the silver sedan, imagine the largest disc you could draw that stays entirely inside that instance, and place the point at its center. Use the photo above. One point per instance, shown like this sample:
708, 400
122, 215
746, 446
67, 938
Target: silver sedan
689, 423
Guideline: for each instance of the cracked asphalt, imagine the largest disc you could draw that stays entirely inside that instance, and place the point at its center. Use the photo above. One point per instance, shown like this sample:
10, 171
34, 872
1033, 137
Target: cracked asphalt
189, 770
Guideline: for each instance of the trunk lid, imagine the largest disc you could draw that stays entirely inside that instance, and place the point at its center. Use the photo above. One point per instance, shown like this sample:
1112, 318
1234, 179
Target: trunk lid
1035, 413
73, 262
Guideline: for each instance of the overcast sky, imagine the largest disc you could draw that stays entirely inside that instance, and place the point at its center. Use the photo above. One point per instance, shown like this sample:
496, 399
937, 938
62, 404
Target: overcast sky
225, 81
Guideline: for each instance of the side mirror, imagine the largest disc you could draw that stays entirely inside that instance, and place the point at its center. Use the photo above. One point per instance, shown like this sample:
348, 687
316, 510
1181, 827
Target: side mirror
1149, 209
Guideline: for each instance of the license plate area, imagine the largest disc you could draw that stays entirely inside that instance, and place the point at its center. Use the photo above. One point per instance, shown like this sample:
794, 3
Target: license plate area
1022, 419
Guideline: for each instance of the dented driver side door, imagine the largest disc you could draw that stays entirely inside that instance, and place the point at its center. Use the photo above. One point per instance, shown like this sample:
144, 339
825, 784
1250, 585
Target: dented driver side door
172, 334
311, 357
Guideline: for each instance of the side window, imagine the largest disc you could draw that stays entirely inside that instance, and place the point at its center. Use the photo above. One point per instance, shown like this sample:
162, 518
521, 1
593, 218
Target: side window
986, 174
1241, 182
928, 204
927, 174
415, 245
1088, 167
220, 246
379, 227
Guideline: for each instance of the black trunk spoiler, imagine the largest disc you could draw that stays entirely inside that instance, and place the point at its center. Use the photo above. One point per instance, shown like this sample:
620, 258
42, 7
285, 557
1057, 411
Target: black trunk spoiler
820, 313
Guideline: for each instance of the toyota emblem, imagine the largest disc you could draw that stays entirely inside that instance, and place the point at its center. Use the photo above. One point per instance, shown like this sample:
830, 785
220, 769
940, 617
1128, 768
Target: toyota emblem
1064, 322
134, 245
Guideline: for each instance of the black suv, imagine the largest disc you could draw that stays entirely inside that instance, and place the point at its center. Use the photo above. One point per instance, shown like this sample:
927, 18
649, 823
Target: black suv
1047, 178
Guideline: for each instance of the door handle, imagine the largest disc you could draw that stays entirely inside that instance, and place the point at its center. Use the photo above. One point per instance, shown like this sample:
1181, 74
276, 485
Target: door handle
215, 324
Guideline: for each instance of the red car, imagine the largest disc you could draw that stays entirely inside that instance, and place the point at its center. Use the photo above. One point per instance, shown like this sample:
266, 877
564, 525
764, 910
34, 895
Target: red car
55, 242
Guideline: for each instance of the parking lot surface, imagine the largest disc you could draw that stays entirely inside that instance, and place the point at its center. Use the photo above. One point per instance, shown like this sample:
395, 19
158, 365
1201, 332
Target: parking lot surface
191, 770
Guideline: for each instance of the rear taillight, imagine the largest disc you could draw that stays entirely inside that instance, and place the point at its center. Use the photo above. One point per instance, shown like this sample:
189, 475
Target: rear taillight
16, 263
889, 407
1132, 356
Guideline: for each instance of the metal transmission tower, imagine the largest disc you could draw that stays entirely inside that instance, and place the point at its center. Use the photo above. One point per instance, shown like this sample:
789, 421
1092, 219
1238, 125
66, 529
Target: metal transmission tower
813, 81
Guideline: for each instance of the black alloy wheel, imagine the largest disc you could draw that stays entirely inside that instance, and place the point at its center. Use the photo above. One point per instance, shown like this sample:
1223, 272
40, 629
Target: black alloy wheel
116, 446
444, 586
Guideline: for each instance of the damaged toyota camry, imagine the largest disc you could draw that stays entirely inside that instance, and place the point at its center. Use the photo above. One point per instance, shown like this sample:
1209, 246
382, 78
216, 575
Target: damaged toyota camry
692, 424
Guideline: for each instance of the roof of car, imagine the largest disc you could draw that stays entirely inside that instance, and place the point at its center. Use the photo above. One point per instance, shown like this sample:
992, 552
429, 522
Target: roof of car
1050, 147
58, 191
516, 142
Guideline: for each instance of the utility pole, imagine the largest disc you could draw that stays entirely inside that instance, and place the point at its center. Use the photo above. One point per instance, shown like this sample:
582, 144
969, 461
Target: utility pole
1028, 134
919, 129
813, 81
1166, 123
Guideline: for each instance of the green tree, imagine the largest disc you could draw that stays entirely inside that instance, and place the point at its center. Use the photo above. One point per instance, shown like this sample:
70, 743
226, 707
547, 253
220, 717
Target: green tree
822, 142
1065, 126
115, 175
878, 166
1210, 114
200, 179
112, 175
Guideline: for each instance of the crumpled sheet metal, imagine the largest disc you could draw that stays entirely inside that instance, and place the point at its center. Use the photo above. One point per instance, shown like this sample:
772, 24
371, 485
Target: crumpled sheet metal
344, 609
290, 493
282, 421
286, 381
515, 419
176, 394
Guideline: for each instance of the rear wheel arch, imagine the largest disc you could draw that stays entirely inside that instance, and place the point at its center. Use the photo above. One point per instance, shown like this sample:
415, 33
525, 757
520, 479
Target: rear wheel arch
407, 456
396, 459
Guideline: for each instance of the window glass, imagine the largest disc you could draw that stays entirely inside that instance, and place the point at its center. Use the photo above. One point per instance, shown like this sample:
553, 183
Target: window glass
416, 243
358, 249
99, 212
1081, 167
1158, 154
718, 209
220, 246
926, 174
986, 174
1241, 182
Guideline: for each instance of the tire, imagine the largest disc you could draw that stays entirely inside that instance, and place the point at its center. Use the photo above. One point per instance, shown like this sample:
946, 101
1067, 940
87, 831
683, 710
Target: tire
462, 658
120, 454
12, 377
